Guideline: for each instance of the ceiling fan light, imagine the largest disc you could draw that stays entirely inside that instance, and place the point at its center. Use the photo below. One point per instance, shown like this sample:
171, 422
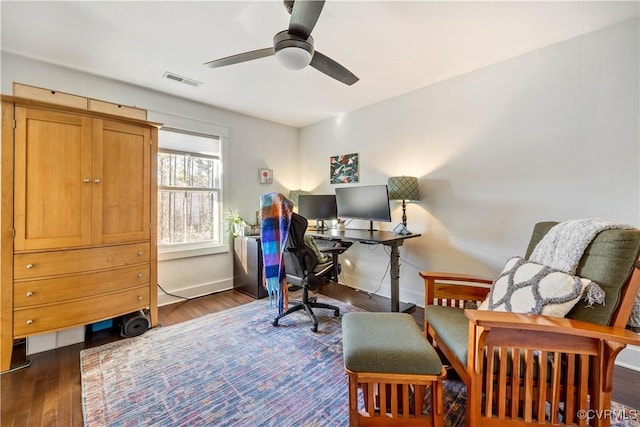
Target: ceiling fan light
293, 57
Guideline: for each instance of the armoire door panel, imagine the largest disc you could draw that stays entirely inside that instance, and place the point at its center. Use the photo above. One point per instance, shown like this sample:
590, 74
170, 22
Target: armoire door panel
122, 197
52, 169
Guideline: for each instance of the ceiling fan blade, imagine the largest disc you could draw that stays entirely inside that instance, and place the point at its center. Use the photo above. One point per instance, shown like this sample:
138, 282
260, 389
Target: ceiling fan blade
332, 69
241, 57
304, 16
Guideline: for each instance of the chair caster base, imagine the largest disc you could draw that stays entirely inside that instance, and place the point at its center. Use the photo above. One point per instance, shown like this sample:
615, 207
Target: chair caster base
307, 304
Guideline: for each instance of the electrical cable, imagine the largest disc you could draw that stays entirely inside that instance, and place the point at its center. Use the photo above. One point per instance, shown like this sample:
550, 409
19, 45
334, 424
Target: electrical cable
173, 295
384, 275
417, 267
388, 252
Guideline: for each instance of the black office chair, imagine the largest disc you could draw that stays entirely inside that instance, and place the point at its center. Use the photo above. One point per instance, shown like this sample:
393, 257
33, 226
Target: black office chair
304, 270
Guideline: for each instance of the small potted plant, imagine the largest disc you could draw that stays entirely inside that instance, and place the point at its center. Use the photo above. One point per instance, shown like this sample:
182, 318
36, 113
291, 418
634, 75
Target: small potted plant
235, 223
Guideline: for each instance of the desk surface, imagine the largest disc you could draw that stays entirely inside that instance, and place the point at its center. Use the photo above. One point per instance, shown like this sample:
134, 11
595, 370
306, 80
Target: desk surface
383, 237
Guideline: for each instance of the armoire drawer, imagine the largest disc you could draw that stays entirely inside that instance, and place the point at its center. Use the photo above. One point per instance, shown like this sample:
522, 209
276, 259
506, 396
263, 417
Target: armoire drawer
78, 312
44, 264
57, 289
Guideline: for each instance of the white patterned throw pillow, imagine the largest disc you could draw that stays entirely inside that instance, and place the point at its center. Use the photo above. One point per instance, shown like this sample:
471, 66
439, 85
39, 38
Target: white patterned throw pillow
529, 287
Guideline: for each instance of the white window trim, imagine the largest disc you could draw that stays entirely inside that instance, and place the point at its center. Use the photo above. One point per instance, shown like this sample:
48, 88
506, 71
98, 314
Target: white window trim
189, 124
166, 253
179, 246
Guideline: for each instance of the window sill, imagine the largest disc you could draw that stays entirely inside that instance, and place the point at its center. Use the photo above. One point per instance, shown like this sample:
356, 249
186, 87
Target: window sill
168, 253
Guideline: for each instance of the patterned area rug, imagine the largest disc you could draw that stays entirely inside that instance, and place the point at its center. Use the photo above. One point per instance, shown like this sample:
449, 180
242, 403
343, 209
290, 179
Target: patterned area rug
228, 368
231, 368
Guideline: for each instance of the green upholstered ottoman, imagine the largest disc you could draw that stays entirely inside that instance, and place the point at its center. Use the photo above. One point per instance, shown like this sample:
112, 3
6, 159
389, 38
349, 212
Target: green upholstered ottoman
387, 355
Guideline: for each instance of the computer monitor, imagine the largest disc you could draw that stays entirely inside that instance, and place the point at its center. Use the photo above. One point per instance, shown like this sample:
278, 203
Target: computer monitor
320, 207
368, 202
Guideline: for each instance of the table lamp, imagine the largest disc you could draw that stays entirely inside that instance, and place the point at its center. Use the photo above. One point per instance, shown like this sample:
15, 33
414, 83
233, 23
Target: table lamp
294, 194
403, 188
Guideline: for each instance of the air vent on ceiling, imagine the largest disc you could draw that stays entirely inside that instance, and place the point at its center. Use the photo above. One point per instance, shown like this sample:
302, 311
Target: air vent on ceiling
181, 79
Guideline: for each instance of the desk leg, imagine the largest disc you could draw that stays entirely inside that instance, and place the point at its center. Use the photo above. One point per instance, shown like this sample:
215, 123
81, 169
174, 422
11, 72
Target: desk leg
395, 278
395, 283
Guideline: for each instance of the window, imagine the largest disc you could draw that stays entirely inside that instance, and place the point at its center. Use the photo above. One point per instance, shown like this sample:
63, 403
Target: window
189, 189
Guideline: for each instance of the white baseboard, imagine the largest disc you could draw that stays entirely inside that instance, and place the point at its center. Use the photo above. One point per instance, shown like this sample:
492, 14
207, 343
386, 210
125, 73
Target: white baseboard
629, 358
406, 295
193, 291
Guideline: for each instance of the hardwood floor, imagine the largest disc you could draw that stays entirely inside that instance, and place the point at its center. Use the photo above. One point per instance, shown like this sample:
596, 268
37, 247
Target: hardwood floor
49, 392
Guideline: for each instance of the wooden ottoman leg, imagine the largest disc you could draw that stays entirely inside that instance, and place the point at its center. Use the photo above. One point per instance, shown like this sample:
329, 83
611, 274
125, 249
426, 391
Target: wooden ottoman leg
353, 399
437, 402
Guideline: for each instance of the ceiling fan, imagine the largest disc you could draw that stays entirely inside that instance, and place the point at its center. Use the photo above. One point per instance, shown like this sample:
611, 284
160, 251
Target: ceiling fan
293, 47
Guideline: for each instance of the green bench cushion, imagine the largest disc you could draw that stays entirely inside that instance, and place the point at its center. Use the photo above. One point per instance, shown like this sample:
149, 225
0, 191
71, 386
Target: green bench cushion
452, 326
387, 343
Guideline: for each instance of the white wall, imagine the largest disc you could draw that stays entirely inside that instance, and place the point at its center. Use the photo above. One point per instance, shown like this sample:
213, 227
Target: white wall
252, 144
550, 135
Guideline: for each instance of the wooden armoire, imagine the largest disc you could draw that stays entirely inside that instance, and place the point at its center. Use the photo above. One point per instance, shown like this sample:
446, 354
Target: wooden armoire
77, 219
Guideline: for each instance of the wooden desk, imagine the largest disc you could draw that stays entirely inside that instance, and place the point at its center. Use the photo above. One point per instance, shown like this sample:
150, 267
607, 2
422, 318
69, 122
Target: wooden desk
387, 238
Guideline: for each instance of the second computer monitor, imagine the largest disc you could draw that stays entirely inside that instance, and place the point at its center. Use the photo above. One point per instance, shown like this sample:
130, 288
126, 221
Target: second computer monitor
368, 202
320, 207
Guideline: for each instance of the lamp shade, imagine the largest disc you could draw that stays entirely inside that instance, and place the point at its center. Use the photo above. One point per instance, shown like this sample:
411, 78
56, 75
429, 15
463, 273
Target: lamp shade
294, 194
403, 188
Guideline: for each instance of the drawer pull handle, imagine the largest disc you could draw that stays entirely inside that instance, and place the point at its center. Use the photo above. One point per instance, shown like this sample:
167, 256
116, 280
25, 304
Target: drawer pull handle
29, 266
140, 253
140, 275
29, 322
97, 181
86, 180
140, 297
29, 294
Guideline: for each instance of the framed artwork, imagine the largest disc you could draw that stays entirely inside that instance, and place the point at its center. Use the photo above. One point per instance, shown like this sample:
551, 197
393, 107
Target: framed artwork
266, 176
343, 169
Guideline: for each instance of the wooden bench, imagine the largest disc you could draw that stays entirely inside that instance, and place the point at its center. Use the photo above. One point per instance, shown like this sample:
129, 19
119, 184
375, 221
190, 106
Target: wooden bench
542, 370
387, 355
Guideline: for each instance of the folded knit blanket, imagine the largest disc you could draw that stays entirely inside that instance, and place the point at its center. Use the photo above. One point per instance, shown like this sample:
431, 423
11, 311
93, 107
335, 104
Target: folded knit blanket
563, 246
275, 216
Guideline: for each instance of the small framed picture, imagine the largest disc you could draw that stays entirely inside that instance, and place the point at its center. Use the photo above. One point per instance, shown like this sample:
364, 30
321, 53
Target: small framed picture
344, 169
266, 176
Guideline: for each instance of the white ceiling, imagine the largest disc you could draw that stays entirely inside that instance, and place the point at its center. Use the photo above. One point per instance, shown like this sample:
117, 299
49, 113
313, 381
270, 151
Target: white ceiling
393, 47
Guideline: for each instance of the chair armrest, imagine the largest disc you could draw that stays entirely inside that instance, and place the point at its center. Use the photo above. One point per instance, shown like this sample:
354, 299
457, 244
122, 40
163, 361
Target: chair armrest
504, 345
558, 325
465, 288
437, 275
